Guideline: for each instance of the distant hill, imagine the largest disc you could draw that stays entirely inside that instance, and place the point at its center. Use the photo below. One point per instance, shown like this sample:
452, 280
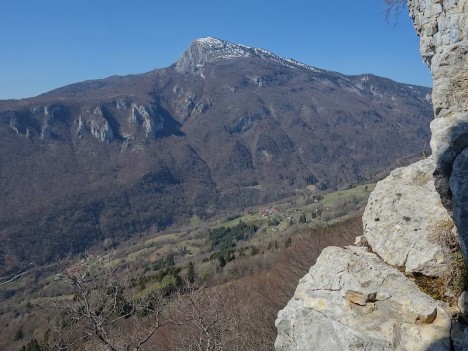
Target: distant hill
225, 127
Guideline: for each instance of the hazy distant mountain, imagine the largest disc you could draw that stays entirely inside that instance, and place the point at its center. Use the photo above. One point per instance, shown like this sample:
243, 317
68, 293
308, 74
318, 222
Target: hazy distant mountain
225, 127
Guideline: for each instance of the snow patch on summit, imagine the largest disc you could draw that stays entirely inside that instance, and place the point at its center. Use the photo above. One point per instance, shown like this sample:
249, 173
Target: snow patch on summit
225, 49
209, 49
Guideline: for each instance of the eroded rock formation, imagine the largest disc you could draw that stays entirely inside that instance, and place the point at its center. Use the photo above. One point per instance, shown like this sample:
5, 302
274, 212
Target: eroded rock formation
404, 218
366, 298
443, 29
327, 312
358, 298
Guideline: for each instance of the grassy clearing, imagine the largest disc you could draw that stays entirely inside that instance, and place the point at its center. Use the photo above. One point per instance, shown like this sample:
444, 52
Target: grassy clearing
137, 254
14, 285
44, 300
249, 218
361, 191
195, 221
163, 239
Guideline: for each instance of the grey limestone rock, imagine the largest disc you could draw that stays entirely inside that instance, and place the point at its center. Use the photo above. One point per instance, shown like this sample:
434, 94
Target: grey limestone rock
80, 128
443, 29
147, 117
14, 124
94, 122
392, 315
48, 116
102, 132
45, 128
206, 50
403, 219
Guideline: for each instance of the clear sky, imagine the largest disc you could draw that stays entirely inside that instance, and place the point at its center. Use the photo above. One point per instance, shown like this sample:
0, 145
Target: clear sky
46, 44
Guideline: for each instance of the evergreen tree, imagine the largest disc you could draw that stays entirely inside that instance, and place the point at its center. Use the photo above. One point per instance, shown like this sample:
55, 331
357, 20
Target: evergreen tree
254, 251
222, 261
19, 334
302, 218
32, 345
190, 272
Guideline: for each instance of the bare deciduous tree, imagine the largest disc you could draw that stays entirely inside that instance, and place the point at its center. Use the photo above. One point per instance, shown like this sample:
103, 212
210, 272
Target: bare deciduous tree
394, 7
209, 319
238, 315
102, 314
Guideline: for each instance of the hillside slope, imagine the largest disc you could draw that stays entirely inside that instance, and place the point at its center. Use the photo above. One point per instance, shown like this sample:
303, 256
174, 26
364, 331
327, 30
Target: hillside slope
225, 127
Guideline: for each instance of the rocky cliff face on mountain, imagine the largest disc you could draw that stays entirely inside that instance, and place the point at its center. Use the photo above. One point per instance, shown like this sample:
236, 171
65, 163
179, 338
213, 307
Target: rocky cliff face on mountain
358, 298
225, 127
443, 27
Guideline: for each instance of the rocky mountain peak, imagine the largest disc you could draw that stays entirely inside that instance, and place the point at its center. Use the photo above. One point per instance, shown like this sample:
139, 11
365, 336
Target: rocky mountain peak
209, 49
206, 50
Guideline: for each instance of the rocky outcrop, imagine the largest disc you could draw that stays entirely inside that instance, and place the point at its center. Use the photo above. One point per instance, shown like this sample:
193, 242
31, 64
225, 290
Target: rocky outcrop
38, 120
45, 128
95, 122
351, 300
141, 122
443, 28
403, 219
459, 187
208, 50
147, 117
355, 299
365, 298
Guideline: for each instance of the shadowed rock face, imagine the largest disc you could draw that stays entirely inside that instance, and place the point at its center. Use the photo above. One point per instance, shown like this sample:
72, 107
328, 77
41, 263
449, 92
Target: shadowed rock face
459, 186
443, 28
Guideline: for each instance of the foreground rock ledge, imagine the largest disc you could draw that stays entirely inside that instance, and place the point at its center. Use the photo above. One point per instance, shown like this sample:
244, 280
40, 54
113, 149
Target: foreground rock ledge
352, 300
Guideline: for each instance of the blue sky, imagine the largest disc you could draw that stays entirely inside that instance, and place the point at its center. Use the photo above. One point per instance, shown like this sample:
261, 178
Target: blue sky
46, 44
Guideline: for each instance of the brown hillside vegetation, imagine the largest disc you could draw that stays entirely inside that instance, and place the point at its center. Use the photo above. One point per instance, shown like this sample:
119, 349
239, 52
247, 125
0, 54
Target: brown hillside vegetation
233, 310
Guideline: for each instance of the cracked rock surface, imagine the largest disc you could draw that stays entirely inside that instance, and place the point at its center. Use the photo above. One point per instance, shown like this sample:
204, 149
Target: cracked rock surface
396, 316
403, 217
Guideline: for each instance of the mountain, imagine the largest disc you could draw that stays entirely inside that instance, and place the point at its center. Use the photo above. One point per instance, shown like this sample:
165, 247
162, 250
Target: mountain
225, 127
